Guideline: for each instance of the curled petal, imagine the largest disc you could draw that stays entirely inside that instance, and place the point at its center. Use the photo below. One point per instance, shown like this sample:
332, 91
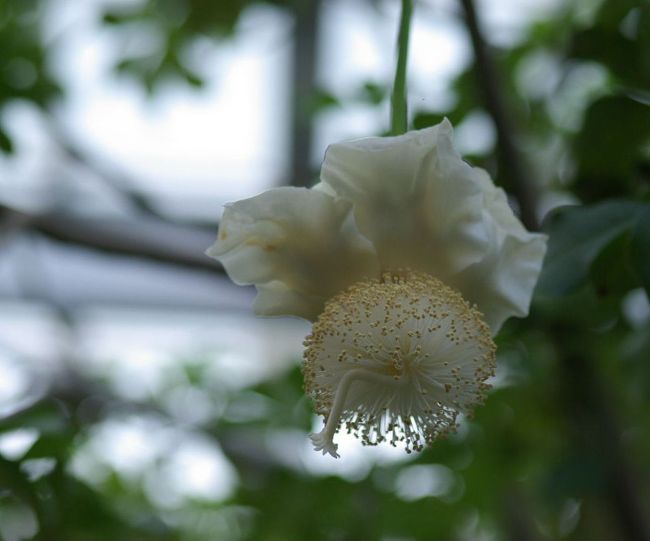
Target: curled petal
298, 246
414, 198
502, 283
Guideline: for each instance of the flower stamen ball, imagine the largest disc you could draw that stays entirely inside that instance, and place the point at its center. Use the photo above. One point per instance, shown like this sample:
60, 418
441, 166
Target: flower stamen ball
397, 359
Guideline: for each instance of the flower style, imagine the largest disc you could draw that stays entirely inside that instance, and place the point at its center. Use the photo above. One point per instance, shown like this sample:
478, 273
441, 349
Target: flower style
408, 260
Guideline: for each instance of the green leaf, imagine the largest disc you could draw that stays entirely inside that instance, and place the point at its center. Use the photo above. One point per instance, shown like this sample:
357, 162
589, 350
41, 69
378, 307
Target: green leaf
640, 249
424, 119
612, 12
193, 79
577, 237
6, 144
610, 144
643, 39
620, 54
322, 99
373, 93
111, 18
612, 273
48, 417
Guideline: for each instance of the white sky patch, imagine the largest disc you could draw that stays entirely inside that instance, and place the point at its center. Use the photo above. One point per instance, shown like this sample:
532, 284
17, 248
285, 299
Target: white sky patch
143, 351
172, 465
17, 522
505, 20
197, 469
354, 46
16, 443
130, 445
636, 308
20, 322
229, 140
225, 142
294, 449
475, 135
358, 46
36, 468
420, 481
438, 52
14, 383
539, 74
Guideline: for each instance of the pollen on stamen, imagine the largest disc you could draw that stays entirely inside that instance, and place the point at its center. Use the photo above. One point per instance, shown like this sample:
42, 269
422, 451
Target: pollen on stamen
397, 359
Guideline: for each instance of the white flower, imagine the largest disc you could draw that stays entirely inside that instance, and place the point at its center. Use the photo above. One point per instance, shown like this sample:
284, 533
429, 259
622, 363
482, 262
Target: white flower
408, 259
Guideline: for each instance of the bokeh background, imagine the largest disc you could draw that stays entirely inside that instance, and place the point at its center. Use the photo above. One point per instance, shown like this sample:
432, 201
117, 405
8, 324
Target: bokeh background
140, 399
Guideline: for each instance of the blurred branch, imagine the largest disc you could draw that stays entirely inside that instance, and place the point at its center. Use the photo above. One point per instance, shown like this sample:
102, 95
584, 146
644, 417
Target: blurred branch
145, 238
510, 157
305, 41
117, 180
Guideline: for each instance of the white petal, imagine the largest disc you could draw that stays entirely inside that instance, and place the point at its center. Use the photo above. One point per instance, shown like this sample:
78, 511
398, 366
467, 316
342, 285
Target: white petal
298, 246
414, 198
274, 298
502, 283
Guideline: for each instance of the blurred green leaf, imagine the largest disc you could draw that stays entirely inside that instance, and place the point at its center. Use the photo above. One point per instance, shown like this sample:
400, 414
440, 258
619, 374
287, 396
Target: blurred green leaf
6, 144
48, 417
288, 405
424, 119
612, 12
373, 93
620, 54
618, 278
612, 140
575, 476
640, 249
578, 234
193, 79
111, 18
644, 39
321, 99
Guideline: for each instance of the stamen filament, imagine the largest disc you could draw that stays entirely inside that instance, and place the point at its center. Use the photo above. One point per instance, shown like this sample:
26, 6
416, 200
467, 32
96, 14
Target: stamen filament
323, 441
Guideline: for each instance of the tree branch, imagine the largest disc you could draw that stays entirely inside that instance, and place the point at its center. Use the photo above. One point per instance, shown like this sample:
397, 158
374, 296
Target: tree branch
305, 41
117, 181
144, 238
510, 158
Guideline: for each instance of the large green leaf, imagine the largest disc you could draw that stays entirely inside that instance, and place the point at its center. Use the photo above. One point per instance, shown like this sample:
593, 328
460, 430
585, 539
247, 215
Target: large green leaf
610, 146
578, 234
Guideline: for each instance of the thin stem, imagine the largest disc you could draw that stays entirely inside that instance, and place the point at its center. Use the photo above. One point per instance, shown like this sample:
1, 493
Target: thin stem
323, 440
399, 123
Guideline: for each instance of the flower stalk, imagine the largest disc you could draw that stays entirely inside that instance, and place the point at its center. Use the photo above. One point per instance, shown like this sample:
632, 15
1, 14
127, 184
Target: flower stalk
399, 119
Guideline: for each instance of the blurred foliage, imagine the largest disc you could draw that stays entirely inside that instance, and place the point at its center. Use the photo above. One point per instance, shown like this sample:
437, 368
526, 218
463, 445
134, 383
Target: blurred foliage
24, 72
177, 24
563, 441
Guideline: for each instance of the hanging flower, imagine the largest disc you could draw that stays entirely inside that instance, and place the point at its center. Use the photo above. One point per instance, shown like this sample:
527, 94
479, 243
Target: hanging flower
408, 260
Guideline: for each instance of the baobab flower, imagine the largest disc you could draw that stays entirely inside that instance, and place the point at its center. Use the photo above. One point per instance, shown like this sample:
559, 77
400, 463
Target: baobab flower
408, 260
